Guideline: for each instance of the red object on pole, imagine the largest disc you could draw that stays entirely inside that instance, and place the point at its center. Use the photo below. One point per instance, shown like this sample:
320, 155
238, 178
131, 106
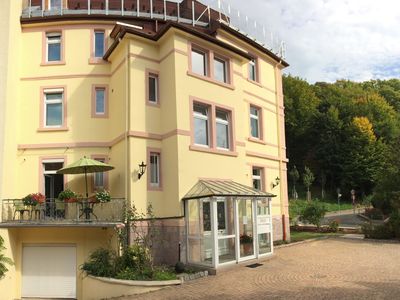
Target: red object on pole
283, 228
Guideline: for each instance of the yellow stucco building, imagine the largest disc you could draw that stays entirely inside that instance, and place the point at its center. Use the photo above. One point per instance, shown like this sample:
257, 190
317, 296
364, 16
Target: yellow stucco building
169, 84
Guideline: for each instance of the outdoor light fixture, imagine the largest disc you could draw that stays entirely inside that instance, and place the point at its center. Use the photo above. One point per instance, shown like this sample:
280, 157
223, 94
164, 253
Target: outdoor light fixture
142, 169
276, 183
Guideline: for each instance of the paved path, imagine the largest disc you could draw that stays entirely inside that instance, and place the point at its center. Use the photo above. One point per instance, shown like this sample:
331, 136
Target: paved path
324, 269
347, 220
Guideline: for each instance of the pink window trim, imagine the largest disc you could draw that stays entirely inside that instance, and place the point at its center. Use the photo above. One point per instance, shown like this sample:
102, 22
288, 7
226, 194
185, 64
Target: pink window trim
261, 138
210, 54
44, 48
93, 102
154, 73
149, 186
212, 147
105, 174
41, 188
42, 126
92, 59
262, 173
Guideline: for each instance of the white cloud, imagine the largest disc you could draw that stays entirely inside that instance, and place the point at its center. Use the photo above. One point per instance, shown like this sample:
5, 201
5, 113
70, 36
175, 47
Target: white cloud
333, 39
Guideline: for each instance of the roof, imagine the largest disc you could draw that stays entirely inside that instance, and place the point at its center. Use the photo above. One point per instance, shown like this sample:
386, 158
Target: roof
221, 188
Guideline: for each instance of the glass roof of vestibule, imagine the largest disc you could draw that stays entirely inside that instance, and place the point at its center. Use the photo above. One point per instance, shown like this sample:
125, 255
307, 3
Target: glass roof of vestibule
220, 188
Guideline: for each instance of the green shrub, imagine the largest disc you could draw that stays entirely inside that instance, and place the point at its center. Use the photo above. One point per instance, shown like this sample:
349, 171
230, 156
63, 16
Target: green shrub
101, 263
377, 232
334, 226
313, 213
3, 259
394, 224
136, 257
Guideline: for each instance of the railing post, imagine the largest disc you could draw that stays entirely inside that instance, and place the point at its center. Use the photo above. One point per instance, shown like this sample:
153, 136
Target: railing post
106, 7
165, 10
151, 9
30, 8
137, 8
122, 7
178, 10
219, 10
88, 6
193, 15
61, 8
43, 3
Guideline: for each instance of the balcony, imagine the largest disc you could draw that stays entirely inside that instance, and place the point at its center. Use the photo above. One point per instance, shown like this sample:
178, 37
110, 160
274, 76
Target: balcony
58, 213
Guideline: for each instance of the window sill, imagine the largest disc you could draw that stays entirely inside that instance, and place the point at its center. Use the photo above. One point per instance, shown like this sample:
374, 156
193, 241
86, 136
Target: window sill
152, 104
213, 150
254, 82
98, 116
154, 188
52, 63
44, 129
97, 61
256, 140
208, 79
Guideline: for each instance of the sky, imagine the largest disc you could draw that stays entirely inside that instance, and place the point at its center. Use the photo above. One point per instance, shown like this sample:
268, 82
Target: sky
328, 40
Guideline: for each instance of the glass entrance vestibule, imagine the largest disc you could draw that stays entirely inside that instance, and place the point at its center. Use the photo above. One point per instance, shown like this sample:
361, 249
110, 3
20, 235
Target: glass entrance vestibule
228, 229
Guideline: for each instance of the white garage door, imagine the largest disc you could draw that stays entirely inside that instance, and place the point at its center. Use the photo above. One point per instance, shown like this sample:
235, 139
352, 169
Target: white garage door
49, 271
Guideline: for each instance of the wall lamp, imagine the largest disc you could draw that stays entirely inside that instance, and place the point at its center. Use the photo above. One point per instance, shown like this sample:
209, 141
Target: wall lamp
276, 183
142, 169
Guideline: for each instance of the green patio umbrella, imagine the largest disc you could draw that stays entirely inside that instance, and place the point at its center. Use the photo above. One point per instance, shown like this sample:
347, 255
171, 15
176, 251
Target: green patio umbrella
83, 166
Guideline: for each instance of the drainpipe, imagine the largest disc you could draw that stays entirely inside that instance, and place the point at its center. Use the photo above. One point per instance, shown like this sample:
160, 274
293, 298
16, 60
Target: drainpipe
281, 188
127, 142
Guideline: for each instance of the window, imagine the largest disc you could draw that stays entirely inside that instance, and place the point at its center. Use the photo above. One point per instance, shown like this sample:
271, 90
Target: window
152, 88
55, 4
253, 70
257, 178
155, 169
53, 108
201, 124
100, 101
99, 43
99, 177
220, 70
199, 62
53, 46
255, 114
222, 128
100, 106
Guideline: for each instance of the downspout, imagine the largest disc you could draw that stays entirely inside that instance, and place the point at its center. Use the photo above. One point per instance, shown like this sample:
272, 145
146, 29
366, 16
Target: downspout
127, 142
278, 118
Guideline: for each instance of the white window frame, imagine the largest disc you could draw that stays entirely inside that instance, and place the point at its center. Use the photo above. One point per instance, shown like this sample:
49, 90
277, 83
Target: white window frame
205, 118
225, 63
253, 65
49, 42
257, 177
94, 43
61, 5
46, 102
205, 60
158, 169
257, 118
155, 76
104, 100
223, 122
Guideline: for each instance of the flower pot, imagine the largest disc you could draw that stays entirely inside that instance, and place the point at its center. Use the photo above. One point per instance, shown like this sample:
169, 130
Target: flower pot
70, 200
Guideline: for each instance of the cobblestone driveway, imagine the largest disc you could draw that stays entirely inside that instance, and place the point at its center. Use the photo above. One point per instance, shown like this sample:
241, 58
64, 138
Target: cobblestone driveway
324, 269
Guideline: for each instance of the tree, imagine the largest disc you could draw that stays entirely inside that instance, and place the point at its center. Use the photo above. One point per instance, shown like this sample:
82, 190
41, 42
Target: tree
3, 259
294, 176
313, 213
308, 179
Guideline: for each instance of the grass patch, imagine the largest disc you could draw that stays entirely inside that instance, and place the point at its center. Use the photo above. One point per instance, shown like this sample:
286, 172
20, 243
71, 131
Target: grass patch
297, 236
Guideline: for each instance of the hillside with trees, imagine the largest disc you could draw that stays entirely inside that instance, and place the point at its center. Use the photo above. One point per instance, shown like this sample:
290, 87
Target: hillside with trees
347, 133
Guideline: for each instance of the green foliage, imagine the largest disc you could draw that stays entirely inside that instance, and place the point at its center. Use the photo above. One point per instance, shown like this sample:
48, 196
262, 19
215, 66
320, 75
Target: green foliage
136, 257
3, 259
67, 195
313, 213
103, 196
33, 199
101, 263
377, 232
308, 178
334, 226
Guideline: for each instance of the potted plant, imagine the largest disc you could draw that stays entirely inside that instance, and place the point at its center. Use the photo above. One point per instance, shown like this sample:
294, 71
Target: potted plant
67, 196
33, 199
102, 196
246, 241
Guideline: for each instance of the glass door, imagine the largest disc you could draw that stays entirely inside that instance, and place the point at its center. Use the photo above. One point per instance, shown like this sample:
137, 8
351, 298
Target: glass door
226, 230
264, 228
246, 228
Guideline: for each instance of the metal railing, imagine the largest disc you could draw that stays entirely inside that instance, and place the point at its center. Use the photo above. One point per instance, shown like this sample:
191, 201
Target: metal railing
56, 211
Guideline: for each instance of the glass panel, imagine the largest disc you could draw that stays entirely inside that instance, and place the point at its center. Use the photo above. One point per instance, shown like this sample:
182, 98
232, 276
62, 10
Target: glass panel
226, 250
225, 216
220, 70
222, 129
55, 4
200, 131
99, 180
54, 114
100, 101
199, 62
264, 243
99, 44
154, 168
263, 207
152, 88
252, 70
193, 217
53, 166
257, 182
254, 127
245, 216
206, 216
54, 52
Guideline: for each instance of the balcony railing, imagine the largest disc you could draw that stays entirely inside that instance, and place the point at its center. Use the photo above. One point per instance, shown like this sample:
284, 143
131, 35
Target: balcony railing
54, 211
